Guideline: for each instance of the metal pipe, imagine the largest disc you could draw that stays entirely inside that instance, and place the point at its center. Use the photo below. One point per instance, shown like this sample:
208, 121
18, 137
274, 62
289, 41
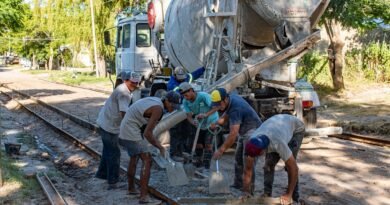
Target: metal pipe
231, 82
169, 121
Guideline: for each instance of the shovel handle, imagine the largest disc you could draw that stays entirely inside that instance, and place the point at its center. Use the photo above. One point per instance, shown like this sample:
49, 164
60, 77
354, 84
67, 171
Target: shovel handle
196, 138
215, 146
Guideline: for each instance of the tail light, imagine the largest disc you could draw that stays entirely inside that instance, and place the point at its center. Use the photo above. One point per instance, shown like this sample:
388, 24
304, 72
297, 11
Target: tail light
151, 15
307, 104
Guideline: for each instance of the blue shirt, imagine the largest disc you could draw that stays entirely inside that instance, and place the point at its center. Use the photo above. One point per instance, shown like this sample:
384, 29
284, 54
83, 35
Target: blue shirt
201, 104
241, 113
173, 83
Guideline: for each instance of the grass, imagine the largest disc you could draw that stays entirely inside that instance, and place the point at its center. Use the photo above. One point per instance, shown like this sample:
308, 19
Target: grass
17, 189
76, 78
35, 72
73, 77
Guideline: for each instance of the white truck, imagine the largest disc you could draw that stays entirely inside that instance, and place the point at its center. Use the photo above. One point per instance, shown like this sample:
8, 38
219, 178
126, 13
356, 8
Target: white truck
251, 47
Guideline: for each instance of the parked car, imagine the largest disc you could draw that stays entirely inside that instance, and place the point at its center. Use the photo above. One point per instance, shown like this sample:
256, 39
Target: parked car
12, 60
25, 62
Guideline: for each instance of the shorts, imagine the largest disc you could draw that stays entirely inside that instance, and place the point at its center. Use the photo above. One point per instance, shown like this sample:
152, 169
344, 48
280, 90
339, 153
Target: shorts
137, 147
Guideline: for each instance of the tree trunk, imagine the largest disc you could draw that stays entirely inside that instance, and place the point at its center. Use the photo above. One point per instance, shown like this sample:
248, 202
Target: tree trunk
50, 62
336, 54
34, 63
1, 171
101, 67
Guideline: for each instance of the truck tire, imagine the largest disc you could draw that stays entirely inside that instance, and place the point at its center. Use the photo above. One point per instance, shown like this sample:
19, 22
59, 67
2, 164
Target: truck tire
159, 92
310, 119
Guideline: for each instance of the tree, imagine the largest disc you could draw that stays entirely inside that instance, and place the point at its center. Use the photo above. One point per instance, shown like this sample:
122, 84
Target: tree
11, 15
359, 14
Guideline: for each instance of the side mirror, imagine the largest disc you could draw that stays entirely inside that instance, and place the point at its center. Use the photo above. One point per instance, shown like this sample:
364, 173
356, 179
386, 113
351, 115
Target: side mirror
107, 40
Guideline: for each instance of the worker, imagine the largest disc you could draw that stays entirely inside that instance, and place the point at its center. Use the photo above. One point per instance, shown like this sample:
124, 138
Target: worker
197, 105
109, 119
180, 75
144, 115
180, 143
243, 120
279, 137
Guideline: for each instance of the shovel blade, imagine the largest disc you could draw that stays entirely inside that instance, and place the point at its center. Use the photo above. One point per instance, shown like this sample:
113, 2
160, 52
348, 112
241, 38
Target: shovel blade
218, 183
160, 161
189, 168
176, 174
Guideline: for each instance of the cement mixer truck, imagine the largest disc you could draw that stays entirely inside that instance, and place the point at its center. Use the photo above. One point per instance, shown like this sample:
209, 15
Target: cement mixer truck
251, 47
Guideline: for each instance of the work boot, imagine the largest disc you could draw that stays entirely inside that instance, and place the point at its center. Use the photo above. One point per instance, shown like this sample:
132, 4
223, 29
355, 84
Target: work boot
149, 200
236, 186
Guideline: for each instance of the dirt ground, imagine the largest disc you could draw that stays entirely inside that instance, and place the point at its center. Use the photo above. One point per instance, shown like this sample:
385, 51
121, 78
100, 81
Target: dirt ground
361, 108
70, 170
332, 171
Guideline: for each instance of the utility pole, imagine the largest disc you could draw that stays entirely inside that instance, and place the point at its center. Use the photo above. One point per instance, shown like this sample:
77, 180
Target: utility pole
94, 38
9, 45
1, 171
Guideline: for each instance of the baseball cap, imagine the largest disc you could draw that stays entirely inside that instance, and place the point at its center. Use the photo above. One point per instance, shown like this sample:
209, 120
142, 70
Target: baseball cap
132, 76
217, 96
180, 73
255, 145
184, 87
174, 98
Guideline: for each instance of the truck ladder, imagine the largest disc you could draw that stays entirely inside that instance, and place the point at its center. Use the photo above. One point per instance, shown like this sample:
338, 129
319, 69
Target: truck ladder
220, 11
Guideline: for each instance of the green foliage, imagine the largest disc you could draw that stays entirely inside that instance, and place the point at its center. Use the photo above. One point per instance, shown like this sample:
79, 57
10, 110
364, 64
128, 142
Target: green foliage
314, 68
57, 24
12, 174
12, 13
362, 14
75, 78
372, 62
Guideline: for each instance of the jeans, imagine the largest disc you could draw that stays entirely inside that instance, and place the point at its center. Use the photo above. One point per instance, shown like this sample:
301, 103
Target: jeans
271, 159
203, 155
110, 160
182, 137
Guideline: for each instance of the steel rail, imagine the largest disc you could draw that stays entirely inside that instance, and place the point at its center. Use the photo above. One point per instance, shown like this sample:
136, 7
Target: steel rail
50, 190
92, 152
153, 191
60, 111
363, 139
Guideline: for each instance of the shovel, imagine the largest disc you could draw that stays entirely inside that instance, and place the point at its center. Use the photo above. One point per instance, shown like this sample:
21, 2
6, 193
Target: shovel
218, 183
175, 172
189, 167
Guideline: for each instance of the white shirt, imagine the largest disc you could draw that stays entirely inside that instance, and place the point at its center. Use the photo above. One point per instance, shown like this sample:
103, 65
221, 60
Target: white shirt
109, 117
280, 129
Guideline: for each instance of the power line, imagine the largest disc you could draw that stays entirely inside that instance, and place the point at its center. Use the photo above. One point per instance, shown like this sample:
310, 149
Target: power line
32, 39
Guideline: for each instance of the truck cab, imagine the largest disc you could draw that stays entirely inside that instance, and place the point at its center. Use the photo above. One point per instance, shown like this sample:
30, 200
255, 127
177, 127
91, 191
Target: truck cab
134, 45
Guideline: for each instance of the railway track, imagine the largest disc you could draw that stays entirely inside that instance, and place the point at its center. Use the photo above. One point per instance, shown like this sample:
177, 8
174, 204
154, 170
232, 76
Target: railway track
50, 190
42, 110
363, 139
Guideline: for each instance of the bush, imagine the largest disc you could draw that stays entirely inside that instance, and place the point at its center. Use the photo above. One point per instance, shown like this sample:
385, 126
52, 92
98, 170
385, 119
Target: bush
372, 61
314, 67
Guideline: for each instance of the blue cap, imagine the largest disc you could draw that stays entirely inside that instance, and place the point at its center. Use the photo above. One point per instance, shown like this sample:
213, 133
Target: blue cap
255, 145
174, 98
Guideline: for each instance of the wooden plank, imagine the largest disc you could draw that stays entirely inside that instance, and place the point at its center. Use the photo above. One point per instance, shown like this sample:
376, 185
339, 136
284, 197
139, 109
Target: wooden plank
324, 131
234, 201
